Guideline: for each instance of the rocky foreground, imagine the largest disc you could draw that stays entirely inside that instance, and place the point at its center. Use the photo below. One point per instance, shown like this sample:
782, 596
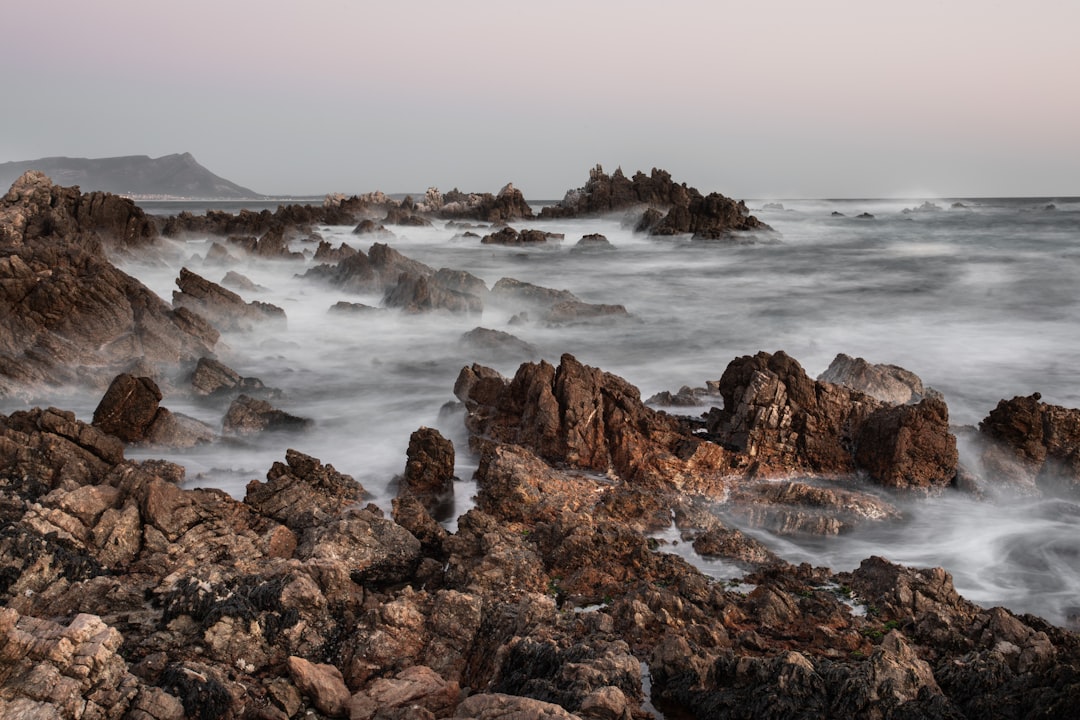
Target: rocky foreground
127, 596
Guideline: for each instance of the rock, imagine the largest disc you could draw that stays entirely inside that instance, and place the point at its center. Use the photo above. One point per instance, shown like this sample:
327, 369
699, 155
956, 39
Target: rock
413, 689
686, 397
234, 279
429, 469
453, 290
498, 343
1030, 443
130, 410
510, 236
574, 311
799, 508
377, 271
509, 204
371, 227
887, 383
222, 307
247, 416
710, 216
373, 551
323, 683
593, 242
66, 313
783, 422
517, 295
329, 254
498, 706
302, 492
350, 308
733, 544
213, 378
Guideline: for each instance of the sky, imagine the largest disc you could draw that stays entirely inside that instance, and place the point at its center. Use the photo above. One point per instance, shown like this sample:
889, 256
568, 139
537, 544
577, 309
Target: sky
762, 99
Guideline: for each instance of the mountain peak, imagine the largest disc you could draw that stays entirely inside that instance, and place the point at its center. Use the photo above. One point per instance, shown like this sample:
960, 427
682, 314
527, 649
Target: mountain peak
177, 175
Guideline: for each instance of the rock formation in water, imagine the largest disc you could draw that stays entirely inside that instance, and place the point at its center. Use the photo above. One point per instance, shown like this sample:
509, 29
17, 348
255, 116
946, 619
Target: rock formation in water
66, 313
671, 209
126, 596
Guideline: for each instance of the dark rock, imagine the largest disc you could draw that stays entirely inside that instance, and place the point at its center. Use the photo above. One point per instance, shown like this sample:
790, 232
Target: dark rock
887, 383
1030, 443
865, 216
130, 410
575, 311
510, 236
405, 216
429, 468
222, 307
371, 227
685, 397
343, 307
248, 415
234, 279
908, 446
453, 290
498, 343
509, 204
212, 377
302, 492
518, 295
377, 271
593, 242
66, 313
326, 253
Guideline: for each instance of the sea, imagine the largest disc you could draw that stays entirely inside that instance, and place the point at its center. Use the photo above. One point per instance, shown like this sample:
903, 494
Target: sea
978, 296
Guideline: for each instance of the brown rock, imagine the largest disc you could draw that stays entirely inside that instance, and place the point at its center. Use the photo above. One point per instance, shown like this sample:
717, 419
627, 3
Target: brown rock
247, 415
453, 290
416, 688
322, 683
302, 492
429, 468
497, 706
224, 308
908, 446
1030, 442
130, 411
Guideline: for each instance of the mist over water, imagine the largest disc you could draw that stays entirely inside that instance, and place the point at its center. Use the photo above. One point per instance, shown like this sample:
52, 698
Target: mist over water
981, 302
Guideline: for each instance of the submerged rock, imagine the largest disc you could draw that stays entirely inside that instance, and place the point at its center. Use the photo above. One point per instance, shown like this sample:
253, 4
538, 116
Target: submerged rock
247, 415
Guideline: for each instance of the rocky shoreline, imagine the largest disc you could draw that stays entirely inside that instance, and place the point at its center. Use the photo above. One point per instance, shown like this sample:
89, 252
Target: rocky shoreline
126, 595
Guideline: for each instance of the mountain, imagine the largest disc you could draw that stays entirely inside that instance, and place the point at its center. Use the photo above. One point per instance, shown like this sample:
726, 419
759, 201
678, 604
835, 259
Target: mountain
173, 175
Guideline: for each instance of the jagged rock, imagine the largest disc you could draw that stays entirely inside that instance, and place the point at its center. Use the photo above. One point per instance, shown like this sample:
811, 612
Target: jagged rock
327, 253
370, 548
711, 216
509, 204
453, 290
518, 295
887, 383
212, 377
377, 271
782, 422
302, 492
510, 236
686, 397
405, 214
323, 683
790, 508
289, 218
343, 307
234, 279
415, 689
1032, 444
130, 410
575, 311
66, 313
222, 307
429, 468
247, 415
371, 227
733, 544
498, 343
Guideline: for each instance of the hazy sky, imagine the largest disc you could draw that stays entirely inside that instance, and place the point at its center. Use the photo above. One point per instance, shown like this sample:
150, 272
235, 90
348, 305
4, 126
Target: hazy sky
762, 98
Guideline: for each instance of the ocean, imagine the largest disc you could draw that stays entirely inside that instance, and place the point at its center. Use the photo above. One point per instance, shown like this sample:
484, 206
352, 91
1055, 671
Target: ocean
979, 297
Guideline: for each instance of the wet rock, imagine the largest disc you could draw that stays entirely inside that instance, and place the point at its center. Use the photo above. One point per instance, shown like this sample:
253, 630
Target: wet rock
66, 313
508, 204
323, 683
429, 468
302, 492
710, 216
518, 295
222, 307
327, 253
782, 422
377, 271
592, 243
274, 243
247, 415
343, 307
371, 227
887, 383
212, 378
734, 545
1033, 444
130, 410
575, 311
234, 279
453, 290
498, 343
789, 508
414, 689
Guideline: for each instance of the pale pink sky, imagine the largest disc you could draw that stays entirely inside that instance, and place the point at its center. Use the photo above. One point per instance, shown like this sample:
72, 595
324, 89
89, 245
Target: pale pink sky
777, 98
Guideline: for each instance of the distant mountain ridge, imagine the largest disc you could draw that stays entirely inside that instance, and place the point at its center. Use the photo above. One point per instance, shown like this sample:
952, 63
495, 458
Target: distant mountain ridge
177, 175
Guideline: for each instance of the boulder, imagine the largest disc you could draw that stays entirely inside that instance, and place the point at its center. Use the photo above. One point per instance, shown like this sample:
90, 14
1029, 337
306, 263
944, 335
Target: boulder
510, 236
302, 492
222, 307
131, 411
1029, 443
518, 295
213, 378
247, 415
429, 468
322, 683
498, 344
453, 290
376, 271
887, 383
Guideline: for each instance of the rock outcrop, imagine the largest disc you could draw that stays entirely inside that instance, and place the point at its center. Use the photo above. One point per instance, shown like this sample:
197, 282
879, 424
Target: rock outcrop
670, 208
1032, 445
224, 308
65, 311
131, 411
887, 383
506, 205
